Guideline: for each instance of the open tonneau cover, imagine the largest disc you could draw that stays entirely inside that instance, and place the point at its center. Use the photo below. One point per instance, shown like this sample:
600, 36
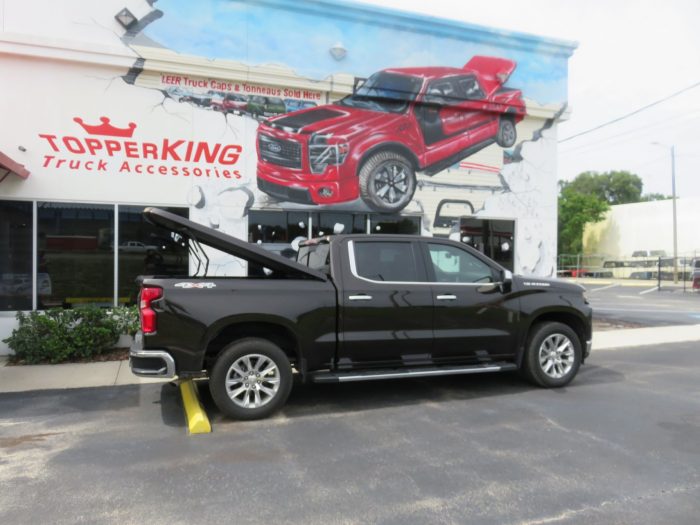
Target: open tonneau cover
494, 71
228, 244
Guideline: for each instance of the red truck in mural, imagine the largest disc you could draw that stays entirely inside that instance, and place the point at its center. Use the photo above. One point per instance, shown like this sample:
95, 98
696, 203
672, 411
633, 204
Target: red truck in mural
399, 121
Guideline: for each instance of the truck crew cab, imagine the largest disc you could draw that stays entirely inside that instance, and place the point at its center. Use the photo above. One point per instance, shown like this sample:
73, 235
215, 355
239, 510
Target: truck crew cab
352, 308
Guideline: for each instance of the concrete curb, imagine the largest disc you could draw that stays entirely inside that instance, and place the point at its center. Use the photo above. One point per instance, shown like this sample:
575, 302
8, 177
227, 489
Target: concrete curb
656, 335
665, 285
49, 377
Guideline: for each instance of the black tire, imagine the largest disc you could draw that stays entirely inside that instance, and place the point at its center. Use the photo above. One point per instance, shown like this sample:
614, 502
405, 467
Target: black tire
223, 369
506, 135
540, 366
387, 182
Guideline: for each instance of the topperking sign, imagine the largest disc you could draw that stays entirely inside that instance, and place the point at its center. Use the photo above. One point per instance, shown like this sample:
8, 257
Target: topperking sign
110, 149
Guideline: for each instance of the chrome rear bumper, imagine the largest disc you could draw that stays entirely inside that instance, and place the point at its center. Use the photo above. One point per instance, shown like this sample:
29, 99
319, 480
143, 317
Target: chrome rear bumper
150, 363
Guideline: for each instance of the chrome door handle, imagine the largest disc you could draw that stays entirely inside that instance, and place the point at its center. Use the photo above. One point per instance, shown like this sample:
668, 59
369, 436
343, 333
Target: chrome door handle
360, 297
446, 297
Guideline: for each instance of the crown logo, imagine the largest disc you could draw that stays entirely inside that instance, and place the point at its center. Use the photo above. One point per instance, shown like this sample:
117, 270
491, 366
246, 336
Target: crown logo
106, 128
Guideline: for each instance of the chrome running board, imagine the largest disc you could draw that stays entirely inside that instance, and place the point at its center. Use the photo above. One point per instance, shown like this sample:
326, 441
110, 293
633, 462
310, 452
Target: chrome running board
403, 373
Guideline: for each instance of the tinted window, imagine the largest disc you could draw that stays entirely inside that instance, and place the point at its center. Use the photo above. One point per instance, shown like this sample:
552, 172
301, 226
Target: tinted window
386, 261
16, 257
145, 249
75, 249
452, 265
394, 224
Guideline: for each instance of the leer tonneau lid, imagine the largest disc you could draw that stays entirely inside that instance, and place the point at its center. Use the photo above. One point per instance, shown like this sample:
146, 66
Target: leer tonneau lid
229, 244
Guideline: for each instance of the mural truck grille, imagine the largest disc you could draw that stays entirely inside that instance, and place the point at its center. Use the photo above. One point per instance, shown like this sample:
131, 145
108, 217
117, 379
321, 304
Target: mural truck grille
285, 153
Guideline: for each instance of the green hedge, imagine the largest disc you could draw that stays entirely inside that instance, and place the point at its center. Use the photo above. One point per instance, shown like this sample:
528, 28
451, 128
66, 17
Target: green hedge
54, 336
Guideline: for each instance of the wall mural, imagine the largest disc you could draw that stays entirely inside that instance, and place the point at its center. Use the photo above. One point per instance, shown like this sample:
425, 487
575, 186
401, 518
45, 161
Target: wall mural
418, 136
368, 113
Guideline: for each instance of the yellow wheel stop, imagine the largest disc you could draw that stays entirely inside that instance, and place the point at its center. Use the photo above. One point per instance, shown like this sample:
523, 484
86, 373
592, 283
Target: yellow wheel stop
197, 420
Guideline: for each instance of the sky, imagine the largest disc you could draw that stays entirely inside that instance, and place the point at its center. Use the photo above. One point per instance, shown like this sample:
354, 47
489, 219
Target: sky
250, 32
630, 54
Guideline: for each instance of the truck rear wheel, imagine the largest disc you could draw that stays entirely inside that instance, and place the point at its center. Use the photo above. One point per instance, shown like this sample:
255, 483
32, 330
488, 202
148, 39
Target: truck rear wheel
251, 379
387, 182
506, 135
553, 355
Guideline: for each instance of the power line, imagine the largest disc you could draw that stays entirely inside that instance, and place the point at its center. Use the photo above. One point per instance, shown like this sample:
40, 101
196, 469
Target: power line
657, 124
637, 136
618, 119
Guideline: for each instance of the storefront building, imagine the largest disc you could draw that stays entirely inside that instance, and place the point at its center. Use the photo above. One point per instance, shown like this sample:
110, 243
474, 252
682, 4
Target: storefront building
270, 120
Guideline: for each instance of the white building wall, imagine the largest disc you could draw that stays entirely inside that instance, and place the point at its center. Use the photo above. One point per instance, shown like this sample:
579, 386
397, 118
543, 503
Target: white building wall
645, 226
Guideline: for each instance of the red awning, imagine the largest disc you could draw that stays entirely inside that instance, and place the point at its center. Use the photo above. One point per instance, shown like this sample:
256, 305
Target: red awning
7, 166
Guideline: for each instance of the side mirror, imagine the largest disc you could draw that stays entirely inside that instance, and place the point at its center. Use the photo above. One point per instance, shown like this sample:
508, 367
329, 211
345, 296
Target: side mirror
506, 281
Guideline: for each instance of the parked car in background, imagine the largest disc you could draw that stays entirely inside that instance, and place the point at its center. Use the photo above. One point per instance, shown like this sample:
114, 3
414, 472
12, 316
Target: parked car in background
231, 103
201, 99
292, 104
259, 106
177, 94
399, 121
136, 247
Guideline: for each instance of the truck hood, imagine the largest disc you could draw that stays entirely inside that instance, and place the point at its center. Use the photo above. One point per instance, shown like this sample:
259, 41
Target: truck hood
333, 119
529, 282
228, 244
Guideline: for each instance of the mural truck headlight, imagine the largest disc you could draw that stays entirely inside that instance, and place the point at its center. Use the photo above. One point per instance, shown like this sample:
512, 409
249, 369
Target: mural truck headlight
322, 154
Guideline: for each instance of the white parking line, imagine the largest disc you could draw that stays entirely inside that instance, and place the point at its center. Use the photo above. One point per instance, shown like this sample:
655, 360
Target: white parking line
655, 288
604, 288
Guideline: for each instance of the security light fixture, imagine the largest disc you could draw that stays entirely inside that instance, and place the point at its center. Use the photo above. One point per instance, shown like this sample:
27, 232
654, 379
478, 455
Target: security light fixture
125, 18
338, 51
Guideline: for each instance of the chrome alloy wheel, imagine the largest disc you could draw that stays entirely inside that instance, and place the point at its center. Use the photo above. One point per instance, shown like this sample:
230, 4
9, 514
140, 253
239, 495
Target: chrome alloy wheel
391, 183
556, 356
252, 381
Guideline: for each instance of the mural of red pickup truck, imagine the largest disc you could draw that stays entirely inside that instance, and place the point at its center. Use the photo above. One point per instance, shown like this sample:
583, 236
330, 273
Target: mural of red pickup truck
399, 121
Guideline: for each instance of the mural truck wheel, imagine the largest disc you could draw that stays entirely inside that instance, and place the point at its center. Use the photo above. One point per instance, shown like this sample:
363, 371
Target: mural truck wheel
506, 133
387, 182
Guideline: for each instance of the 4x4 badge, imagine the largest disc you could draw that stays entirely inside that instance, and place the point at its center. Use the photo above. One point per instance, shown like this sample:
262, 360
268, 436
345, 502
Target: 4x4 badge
195, 285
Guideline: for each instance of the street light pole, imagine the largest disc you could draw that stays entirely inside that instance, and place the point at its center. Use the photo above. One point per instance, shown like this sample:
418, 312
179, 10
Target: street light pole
675, 230
673, 196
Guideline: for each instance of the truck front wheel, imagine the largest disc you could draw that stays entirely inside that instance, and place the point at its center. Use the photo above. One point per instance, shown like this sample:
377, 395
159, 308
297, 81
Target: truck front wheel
553, 355
251, 379
387, 182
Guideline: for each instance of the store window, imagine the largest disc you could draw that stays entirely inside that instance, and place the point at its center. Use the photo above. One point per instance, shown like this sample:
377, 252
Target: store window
276, 230
495, 238
333, 223
74, 250
147, 250
16, 257
394, 224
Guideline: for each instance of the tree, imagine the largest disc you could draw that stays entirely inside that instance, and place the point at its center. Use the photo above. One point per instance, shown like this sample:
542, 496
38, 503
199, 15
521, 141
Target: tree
613, 187
588, 197
654, 197
575, 210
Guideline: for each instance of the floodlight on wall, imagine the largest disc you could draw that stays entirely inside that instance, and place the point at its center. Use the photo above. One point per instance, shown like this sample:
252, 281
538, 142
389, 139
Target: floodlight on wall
338, 51
126, 18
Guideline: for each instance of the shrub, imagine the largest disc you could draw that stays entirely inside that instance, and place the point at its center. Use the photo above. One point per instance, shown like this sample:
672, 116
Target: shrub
58, 335
127, 319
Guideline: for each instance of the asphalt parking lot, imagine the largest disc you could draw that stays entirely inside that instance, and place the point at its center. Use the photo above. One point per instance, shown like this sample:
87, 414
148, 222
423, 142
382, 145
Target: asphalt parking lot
619, 445
643, 306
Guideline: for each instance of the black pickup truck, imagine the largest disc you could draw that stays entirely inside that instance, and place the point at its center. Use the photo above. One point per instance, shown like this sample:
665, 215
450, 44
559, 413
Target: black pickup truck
351, 308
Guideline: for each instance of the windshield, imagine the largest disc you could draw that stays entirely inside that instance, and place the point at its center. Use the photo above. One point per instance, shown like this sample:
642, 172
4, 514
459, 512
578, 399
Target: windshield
387, 92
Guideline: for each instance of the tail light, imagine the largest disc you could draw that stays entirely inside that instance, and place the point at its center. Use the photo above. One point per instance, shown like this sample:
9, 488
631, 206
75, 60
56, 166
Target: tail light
147, 314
